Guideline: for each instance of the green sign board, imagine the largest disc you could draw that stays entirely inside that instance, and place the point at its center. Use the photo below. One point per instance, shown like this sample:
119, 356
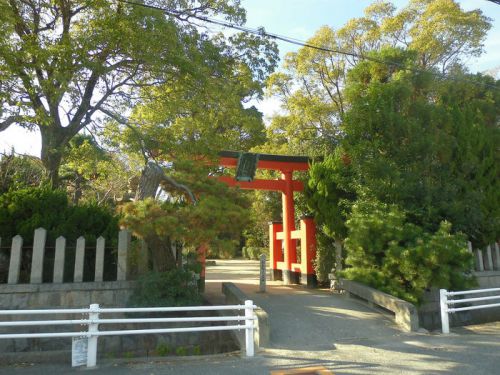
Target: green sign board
247, 165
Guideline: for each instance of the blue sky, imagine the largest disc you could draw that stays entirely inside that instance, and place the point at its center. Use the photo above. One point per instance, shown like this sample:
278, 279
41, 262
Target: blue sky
300, 19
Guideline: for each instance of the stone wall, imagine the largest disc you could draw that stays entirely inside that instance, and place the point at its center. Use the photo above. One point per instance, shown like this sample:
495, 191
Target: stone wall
107, 294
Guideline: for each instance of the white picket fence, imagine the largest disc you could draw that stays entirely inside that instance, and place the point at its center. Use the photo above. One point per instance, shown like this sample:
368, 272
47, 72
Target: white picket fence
487, 259
93, 321
38, 255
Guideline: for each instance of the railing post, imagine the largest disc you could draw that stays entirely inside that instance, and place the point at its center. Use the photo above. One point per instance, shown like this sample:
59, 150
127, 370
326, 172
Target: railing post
249, 345
443, 299
92, 340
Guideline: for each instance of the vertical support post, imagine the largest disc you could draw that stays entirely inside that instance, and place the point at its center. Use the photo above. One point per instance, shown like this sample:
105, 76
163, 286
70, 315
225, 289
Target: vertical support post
497, 257
289, 276
15, 260
308, 242
262, 283
275, 250
443, 299
488, 264
59, 260
99, 259
79, 260
249, 322
38, 255
479, 260
123, 247
92, 339
202, 259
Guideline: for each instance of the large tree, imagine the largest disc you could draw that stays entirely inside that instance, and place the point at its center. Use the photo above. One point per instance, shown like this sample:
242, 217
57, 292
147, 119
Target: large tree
67, 65
311, 85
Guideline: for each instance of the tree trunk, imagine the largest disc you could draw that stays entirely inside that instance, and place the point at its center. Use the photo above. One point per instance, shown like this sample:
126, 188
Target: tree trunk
53, 143
151, 176
161, 252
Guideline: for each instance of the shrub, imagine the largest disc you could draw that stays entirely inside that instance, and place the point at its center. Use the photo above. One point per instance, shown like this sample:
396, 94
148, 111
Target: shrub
176, 287
400, 258
22, 211
251, 252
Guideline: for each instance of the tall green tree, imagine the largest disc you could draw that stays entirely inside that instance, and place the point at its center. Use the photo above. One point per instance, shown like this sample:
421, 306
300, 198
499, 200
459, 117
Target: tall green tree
67, 65
311, 85
426, 146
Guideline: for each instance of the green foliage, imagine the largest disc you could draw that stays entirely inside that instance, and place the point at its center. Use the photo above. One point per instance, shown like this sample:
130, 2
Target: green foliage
196, 350
98, 59
176, 287
18, 172
163, 349
250, 252
216, 220
24, 210
389, 253
181, 351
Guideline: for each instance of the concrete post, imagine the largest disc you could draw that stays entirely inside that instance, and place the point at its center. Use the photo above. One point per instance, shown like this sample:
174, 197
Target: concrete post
262, 283
497, 257
488, 264
79, 259
445, 323
479, 261
123, 247
38, 255
15, 260
92, 340
99, 259
249, 322
59, 260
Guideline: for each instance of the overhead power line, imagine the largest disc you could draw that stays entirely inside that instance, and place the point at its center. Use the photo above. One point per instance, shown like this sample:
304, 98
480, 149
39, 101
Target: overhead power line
185, 16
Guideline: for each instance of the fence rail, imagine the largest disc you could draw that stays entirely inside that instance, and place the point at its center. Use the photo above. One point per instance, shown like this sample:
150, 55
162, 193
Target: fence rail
92, 333
445, 303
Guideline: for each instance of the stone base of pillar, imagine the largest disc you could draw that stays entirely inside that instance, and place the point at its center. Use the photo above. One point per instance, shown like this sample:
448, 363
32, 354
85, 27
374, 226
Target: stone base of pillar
309, 280
276, 275
290, 277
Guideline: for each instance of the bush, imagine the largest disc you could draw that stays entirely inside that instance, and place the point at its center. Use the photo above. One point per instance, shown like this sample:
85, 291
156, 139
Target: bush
251, 252
400, 258
176, 287
22, 211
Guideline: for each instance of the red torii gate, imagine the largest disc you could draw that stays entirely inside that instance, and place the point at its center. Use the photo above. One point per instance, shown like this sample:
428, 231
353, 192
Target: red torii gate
283, 259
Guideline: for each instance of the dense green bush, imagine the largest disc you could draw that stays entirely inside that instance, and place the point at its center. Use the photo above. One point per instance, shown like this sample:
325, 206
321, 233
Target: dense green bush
176, 287
24, 210
387, 252
252, 252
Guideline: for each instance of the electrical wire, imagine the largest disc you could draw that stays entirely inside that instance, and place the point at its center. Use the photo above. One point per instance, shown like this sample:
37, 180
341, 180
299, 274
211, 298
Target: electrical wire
184, 16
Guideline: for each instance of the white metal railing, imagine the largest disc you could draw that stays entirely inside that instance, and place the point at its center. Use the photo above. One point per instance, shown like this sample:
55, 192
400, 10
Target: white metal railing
445, 302
94, 320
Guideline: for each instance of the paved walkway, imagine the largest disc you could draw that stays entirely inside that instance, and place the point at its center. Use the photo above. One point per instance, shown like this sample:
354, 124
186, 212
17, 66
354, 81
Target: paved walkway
314, 327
